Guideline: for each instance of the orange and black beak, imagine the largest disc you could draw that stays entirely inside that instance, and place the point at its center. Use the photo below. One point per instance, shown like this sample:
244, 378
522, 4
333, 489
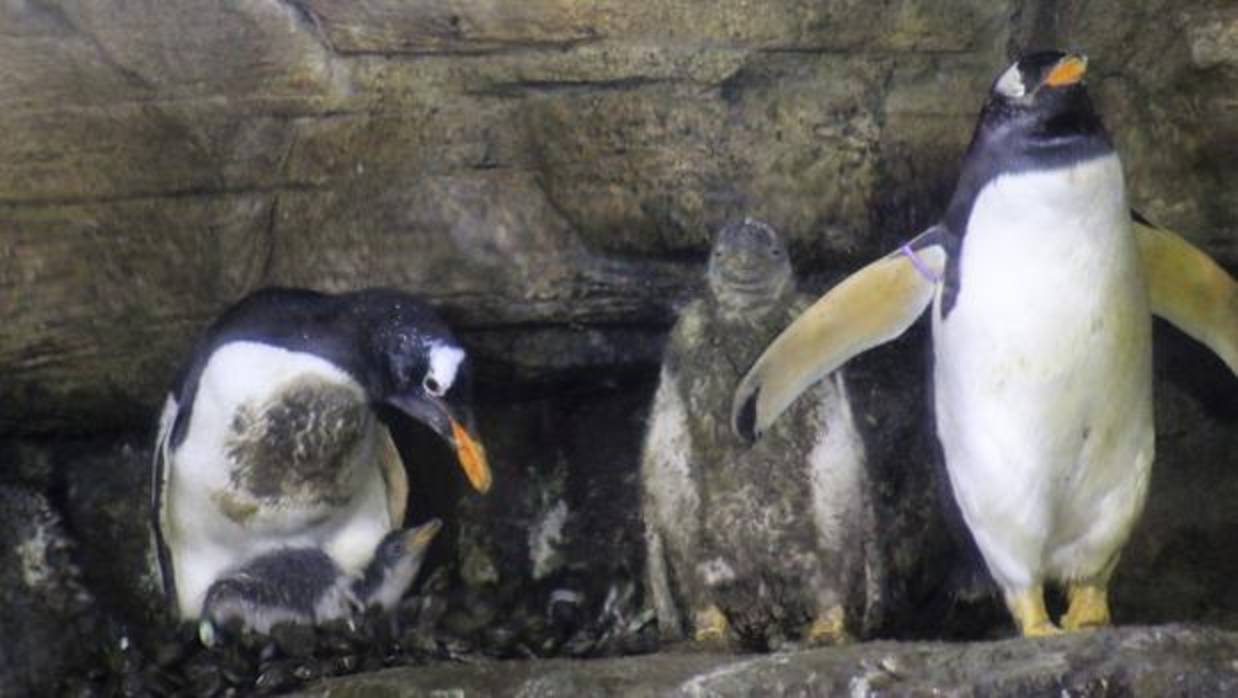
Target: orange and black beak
435, 413
1068, 71
472, 457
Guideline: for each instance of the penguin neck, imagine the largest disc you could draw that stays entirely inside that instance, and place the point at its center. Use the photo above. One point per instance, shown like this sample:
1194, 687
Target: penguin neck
1007, 143
1010, 141
747, 308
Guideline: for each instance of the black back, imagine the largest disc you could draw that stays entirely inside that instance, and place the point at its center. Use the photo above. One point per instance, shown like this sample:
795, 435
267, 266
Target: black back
291, 578
1052, 127
351, 330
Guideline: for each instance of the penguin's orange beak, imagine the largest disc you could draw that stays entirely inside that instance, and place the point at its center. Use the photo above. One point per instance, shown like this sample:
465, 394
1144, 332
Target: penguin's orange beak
420, 537
435, 413
1068, 71
472, 457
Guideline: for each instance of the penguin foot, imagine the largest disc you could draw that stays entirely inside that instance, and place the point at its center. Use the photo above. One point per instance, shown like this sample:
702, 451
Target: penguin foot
1042, 629
1028, 608
711, 626
829, 629
1089, 607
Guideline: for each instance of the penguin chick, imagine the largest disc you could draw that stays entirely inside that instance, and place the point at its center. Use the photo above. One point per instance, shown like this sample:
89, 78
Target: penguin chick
1041, 291
763, 543
395, 566
305, 586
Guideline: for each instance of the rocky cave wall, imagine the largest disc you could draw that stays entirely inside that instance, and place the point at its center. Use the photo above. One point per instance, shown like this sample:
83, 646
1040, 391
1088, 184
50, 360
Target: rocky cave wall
549, 174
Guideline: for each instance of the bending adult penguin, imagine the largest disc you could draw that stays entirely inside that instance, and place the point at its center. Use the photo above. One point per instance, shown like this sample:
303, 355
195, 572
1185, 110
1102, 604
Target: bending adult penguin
270, 440
1041, 288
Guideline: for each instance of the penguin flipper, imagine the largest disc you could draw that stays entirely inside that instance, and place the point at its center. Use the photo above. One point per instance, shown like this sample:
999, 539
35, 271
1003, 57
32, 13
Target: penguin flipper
1190, 290
869, 308
395, 476
670, 504
160, 474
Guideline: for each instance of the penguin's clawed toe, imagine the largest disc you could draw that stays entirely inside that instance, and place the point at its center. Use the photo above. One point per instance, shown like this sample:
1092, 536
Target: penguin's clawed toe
1089, 608
1028, 608
829, 629
711, 627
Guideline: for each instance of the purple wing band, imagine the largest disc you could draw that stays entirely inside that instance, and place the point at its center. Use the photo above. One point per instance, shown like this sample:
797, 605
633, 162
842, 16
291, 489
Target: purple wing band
919, 264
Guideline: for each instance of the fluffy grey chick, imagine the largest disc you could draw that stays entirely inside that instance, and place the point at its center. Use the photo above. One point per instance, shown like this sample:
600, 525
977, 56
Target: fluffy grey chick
304, 585
761, 543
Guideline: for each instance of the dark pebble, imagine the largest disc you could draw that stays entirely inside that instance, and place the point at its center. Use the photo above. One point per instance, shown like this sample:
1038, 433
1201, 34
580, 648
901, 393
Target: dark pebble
581, 644
345, 664
169, 653
276, 676
237, 670
499, 640
307, 671
294, 640
205, 680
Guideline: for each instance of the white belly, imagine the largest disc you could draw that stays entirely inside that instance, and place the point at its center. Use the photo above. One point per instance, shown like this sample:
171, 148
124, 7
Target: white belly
1043, 374
214, 526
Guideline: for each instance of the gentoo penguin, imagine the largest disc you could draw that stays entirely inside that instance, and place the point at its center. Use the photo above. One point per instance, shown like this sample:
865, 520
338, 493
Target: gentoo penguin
758, 544
1041, 288
305, 586
270, 439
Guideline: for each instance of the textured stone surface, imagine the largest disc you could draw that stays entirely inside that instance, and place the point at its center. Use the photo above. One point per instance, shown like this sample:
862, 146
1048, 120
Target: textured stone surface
550, 173
1152, 662
47, 616
546, 166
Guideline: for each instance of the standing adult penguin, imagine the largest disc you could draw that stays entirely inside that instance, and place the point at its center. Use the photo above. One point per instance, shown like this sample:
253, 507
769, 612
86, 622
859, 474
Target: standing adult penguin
1041, 288
270, 438
764, 543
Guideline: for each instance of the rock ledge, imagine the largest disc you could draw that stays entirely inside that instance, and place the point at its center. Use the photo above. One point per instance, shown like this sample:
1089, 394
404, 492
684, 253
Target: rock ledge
1173, 660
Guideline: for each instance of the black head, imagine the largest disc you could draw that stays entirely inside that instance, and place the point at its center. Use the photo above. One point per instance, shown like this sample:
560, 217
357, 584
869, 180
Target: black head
396, 562
1038, 116
409, 349
1041, 103
409, 544
416, 365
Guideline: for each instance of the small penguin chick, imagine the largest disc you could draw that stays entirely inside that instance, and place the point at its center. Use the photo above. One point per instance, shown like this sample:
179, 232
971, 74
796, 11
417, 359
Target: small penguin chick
296, 585
305, 586
750, 544
396, 563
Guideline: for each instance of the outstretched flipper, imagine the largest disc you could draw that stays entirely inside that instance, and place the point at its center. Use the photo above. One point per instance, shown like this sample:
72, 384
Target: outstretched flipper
1190, 290
871, 307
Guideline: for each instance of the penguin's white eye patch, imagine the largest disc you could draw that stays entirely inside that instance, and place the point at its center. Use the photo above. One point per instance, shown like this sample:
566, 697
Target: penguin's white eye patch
444, 363
1011, 84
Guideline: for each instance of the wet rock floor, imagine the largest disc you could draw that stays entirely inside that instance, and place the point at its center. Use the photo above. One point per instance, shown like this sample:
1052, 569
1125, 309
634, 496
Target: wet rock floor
427, 649
1130, 661
435, 627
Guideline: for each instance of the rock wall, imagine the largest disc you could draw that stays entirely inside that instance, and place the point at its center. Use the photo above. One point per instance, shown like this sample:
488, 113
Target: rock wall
534, 170
1137, 662
550, 173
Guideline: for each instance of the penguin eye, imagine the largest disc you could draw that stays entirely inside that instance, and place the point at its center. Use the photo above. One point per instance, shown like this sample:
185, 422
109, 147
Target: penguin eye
432, 386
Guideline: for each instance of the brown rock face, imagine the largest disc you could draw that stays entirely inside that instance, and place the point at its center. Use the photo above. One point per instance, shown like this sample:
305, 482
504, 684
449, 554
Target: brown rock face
550, 173
545, 165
